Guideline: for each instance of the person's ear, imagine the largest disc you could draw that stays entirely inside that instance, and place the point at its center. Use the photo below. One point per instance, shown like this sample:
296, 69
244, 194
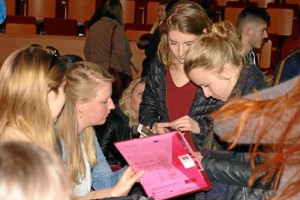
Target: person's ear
248, 30
51, 95
205, 30
79, 106
227, 71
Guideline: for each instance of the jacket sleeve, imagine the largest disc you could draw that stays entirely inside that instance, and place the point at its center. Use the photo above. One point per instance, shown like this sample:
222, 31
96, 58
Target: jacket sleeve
200, 111
149, 112
102, 175
252, 78
114, 130
230, 172
202, 139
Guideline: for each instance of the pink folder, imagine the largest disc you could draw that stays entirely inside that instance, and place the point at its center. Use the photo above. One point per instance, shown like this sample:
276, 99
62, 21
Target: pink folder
171, 168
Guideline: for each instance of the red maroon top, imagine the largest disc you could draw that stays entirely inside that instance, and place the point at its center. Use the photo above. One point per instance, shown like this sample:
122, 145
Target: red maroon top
179, 99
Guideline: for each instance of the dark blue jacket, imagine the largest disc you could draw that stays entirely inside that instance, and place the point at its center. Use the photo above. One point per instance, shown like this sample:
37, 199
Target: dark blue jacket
288, 68
231, 169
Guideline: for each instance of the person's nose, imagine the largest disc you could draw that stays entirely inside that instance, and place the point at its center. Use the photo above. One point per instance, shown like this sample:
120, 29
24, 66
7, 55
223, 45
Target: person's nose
266, 34
206, 92
111, 104
181, 51
139, 101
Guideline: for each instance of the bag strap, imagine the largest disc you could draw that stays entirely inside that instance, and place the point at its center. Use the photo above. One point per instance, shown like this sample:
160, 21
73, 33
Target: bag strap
134, 67
111, 44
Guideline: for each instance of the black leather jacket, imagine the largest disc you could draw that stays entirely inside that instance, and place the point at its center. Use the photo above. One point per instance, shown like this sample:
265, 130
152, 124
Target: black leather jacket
232, 167
154, 108
115, 129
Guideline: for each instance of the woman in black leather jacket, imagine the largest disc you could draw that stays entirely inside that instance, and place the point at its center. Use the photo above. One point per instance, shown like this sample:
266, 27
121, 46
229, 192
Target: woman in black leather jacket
187, 20
167, 86
215, 62
121, 122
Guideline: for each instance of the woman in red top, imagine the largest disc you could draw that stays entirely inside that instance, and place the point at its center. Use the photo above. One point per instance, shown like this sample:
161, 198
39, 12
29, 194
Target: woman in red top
170, 100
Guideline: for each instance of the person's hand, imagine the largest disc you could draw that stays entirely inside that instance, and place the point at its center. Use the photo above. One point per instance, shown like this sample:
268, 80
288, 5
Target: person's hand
199, 156
186, 123
125, 183
160, 128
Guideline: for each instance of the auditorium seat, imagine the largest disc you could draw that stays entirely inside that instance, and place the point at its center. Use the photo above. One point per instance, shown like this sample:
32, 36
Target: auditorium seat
56, 26
223, 3
281, 21
233, 9
20, 25
293, 2
262, 3
40, 10
151, 13
10, 7
81, 10
128, 11
290, 43
287, 14
264, 55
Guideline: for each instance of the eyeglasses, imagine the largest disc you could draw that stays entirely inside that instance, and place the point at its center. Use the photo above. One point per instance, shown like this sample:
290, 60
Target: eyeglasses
53, 51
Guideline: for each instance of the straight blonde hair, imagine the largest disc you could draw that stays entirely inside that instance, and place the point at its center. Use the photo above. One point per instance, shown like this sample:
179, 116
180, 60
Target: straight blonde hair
26, 77
82, 83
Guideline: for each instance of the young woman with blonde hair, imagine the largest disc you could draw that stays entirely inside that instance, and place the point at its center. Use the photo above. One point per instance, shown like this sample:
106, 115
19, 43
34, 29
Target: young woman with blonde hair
131, 99
215, 63
171, 100
167, 85
122, 122
31, 96
88, 103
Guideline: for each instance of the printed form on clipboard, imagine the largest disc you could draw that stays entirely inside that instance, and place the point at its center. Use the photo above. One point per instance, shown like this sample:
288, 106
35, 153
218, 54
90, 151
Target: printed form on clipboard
171, 168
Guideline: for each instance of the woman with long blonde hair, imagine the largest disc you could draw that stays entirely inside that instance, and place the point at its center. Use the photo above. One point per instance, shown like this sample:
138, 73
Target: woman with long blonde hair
88, 102
122, 122
31, 96
167, 84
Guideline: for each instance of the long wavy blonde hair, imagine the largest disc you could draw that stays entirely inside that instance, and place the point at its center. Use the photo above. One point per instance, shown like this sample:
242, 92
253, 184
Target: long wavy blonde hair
186, 17
82, 81
26, 77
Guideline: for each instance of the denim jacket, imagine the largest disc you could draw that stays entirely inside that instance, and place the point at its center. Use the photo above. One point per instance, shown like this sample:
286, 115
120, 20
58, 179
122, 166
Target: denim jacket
102, 175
